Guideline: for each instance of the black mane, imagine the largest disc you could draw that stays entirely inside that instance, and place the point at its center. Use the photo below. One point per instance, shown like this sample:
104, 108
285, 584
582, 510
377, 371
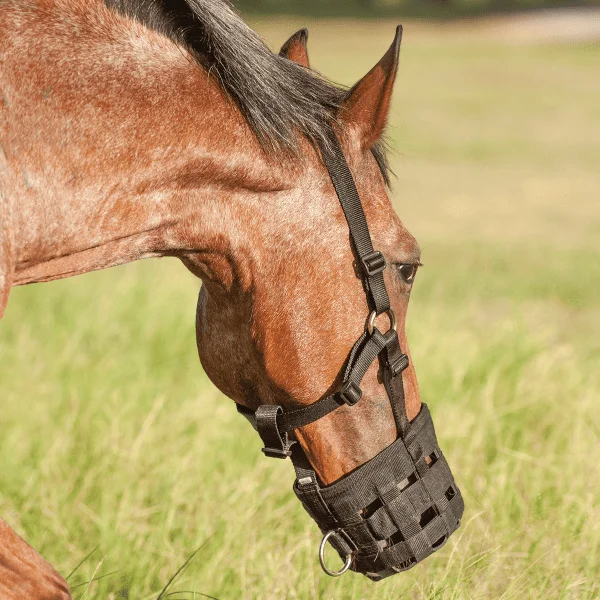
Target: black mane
278, 98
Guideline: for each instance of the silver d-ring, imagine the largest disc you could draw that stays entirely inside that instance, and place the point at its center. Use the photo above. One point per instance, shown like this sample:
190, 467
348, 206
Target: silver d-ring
322, 557
390, 313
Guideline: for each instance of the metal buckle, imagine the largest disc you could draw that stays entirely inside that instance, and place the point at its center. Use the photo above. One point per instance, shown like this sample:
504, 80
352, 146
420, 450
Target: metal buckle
350, 393
373, 263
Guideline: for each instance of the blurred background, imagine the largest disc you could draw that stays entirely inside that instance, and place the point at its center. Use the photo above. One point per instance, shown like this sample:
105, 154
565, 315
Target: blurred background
394, 8
120, 459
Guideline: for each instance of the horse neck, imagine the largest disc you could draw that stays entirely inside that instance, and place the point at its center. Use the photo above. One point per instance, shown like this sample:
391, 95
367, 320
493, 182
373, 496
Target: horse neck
112, 150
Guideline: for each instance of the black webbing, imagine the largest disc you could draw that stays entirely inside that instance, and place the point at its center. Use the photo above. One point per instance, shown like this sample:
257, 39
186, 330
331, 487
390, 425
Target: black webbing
345, 188
367, 355
367, 348
294, 419
362, 356
276, 442
395, 510
395, 361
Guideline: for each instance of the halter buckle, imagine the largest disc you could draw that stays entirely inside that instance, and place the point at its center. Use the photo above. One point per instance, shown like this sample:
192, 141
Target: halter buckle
373, 263
350, 393
399, 365
277, 443
276, 453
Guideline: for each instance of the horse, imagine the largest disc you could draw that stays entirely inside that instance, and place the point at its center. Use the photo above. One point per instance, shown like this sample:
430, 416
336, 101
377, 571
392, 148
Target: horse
131, 130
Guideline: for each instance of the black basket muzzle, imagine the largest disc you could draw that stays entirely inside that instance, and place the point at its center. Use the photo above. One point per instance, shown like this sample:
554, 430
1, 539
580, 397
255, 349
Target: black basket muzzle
393, 511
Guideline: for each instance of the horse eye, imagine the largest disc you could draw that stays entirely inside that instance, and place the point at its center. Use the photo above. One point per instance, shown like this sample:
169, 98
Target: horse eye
408, 272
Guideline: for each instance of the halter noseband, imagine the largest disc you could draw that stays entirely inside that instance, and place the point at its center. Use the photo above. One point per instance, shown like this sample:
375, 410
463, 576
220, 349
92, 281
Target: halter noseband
403, 504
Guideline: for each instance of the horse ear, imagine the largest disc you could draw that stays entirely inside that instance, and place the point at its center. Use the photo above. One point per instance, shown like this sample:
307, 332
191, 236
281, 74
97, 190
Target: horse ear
367, 104
295, 48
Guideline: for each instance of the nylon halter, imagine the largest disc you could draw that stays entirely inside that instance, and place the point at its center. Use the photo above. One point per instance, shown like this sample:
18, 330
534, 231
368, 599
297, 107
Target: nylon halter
400, 506
272, 423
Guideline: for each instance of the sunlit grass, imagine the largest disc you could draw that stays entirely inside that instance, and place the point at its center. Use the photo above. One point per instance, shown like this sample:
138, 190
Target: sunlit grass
114, 443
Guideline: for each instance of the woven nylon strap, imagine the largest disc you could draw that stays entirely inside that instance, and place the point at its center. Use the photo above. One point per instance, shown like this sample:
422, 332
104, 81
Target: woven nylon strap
366, 349
393, 360
371, 263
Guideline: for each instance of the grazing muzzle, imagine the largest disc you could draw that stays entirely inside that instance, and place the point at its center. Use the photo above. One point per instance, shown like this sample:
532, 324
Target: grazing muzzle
402, 505
393, 511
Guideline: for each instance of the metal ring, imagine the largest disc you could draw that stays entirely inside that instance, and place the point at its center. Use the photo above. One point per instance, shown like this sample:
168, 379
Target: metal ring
322, 557
390, 313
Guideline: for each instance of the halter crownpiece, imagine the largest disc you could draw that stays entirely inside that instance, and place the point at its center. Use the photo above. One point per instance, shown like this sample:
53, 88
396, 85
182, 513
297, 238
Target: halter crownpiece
402, 505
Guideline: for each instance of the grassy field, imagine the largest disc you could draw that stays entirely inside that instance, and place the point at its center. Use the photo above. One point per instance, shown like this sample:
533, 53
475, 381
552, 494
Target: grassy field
119, 459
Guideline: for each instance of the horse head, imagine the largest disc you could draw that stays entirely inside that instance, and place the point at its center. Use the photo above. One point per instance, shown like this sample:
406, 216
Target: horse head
284, 323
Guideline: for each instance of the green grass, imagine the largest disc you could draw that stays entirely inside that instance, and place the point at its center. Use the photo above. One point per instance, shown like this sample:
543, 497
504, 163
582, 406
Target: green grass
114, 443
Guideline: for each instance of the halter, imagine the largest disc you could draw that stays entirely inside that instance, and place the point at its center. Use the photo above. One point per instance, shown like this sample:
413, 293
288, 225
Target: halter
399, 507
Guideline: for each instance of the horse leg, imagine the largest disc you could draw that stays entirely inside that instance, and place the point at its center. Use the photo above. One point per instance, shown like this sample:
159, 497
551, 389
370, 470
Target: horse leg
24, 573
